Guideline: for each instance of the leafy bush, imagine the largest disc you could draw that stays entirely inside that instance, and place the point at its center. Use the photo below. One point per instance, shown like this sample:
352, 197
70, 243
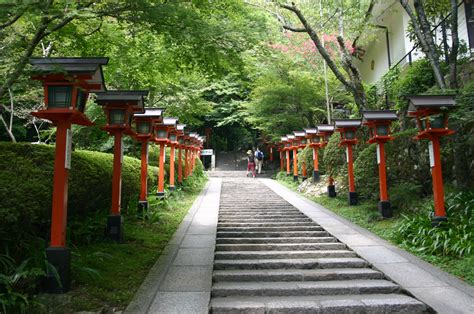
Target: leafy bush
334, 156
454, 238
26, 183
366, 173
418, 78
405, 196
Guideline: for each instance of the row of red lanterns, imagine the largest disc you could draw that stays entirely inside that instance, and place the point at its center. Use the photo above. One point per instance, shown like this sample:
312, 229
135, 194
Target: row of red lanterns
67, 83
431, 113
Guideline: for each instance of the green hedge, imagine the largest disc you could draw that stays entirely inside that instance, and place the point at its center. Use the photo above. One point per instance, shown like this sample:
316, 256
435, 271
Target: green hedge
26, 183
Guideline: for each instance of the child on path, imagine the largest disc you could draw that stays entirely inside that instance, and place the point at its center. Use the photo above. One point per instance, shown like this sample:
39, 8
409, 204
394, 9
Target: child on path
250, 163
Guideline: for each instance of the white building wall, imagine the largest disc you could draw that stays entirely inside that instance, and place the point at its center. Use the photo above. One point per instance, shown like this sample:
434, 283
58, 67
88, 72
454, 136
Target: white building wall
397, 20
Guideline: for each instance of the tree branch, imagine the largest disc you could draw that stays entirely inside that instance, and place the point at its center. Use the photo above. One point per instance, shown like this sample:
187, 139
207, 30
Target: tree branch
317, 41
296, 30
12, 21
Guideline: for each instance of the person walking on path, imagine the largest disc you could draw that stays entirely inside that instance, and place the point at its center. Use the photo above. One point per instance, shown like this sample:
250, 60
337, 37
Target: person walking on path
250, 163
259, 160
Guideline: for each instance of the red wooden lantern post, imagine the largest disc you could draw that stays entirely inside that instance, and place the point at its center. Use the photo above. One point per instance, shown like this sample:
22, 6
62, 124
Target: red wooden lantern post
431, 113
187, 143
192, 161
293, 147
180, 128
161, 138
314, 142
287, 149
144, 133
67, 83
171, 123
347, 129
300, 141
325, 131
379, 122
119, 107
281, 150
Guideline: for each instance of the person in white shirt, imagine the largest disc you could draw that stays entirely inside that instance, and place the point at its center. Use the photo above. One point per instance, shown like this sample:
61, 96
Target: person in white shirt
258, 160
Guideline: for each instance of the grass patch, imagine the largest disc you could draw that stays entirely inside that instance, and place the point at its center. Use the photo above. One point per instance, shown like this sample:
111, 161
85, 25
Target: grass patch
106, 275
366, 215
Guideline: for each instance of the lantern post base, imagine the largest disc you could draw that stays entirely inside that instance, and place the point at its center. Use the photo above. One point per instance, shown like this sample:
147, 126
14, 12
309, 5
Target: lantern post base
172, 188
436, 221
315, 176
353, 199
142, 208
58, 280
332, 190
288, 174
115, 228
295, 178
385, 209
160, 194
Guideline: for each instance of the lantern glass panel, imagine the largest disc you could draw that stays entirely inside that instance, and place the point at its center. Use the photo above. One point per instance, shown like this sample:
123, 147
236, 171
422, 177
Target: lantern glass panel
423, 124
59, 96
161, 134
130, 118
316, 139
437, 122
187, 142
382, 130
143, 127
349, 134
326, 138
81, 101
116, 116
287, 144
181, 141
173, 137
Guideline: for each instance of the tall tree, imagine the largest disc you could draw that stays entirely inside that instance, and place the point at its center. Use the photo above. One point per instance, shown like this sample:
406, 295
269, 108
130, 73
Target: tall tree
349, 76
425, 34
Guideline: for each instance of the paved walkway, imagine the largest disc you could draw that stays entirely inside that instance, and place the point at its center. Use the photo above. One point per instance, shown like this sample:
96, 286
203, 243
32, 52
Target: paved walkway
182, 279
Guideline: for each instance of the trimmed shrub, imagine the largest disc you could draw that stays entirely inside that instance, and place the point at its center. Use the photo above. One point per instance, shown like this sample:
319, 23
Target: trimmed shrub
26, 183
366, 173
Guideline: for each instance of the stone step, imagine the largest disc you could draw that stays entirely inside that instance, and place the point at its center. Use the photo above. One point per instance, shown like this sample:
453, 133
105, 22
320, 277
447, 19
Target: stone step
270, 229
263, 219
305, 263
268, 213
366, 303
295, 288
297, 240
281, 247
260, 234
296, 274
267, 224
283, 254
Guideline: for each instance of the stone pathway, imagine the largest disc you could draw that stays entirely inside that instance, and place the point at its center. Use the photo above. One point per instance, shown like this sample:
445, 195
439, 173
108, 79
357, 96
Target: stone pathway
253, 246
270, 257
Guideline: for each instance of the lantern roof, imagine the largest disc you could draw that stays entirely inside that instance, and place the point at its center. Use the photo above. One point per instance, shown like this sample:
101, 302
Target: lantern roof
284, 138
150, 113
431, 101
375, 115
170, 121
347, 123
74, 66
311, 131
290, 136
299, 133
193, 134
136, 97
325, 128
180, 127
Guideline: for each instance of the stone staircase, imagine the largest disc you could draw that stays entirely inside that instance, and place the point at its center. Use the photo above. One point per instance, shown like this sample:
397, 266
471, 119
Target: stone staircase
271, 258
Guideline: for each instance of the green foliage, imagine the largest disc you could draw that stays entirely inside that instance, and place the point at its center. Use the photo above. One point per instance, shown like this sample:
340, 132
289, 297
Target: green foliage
334, 156
405, 196
16, 280
454, 238
306, 155
26, 183
366, 173
418, 78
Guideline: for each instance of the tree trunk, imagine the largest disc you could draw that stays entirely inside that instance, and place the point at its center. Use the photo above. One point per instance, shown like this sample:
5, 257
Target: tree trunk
453, 56
425, 37
354, 83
